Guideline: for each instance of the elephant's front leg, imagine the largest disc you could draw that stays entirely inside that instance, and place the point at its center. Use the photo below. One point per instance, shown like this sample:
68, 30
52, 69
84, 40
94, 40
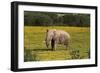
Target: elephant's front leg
53, 44
47, 43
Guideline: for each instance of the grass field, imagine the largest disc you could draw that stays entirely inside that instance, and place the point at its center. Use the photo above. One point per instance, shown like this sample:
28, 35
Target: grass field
36, 50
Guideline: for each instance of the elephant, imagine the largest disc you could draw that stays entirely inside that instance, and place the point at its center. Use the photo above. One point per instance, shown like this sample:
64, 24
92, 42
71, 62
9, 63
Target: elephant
56, 37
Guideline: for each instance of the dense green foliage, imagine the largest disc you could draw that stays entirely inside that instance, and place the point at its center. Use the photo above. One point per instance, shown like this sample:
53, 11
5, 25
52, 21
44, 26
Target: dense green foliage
50, 19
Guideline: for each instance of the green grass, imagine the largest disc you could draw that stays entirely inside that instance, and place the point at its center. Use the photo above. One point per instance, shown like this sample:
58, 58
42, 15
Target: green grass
36, 50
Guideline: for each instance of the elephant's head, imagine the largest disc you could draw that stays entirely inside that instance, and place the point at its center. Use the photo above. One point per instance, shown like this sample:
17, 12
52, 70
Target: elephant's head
49, 36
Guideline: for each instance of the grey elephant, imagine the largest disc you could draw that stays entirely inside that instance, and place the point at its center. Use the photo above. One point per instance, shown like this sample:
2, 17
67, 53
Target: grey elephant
55, 37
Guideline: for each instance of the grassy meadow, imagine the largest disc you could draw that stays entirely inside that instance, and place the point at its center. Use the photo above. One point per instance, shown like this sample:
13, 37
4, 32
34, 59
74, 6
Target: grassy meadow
36, 50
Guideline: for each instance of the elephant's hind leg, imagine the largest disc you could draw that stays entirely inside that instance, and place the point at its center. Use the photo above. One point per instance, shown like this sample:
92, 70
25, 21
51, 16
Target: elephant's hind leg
66, 44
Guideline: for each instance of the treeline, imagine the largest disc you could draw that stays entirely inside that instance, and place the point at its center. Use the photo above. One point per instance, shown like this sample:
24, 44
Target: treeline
56, 19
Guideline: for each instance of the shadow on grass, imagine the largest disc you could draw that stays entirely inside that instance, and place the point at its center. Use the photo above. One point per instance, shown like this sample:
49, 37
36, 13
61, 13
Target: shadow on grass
42, 50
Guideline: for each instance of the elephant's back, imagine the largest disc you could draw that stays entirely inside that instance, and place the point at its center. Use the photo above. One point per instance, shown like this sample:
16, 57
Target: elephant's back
63, 33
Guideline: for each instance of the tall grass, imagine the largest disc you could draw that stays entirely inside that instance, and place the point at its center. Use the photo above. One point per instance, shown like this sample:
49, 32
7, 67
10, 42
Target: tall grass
35, 49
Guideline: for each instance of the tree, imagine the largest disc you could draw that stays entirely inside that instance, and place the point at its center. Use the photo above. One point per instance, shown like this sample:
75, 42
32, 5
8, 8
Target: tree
56, 19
